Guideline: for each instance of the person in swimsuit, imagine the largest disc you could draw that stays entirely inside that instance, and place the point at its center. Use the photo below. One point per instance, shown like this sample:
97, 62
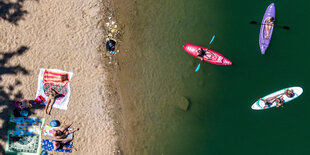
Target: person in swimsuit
50, 101
279, 101
278, 98
289, 93
61, 145
268, 102
63, 132
269, 23
201, 53
24, 104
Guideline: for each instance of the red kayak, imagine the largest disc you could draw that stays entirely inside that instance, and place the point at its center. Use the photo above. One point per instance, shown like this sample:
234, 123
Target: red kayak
218, 58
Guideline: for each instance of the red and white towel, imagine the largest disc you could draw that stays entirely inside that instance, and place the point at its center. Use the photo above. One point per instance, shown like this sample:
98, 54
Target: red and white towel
52, 78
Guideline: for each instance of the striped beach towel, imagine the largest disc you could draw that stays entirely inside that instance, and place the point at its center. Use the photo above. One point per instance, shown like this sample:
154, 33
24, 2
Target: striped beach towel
59, 78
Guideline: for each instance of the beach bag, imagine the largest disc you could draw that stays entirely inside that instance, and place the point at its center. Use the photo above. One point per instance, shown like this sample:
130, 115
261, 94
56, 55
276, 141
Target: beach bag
40, 99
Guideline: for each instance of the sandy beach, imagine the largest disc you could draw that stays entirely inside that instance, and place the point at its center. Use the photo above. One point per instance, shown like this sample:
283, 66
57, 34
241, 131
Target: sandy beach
67, 35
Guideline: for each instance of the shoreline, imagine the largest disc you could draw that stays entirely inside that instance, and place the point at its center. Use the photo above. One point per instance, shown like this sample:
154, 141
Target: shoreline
123, 14
69, 36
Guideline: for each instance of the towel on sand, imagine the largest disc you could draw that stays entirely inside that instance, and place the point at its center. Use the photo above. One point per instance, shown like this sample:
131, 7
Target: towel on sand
25, 145
48, 146
28, 143
26, 126
62, 100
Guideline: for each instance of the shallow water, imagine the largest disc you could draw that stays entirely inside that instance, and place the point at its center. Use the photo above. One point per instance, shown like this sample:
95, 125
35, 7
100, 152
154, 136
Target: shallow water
156, 72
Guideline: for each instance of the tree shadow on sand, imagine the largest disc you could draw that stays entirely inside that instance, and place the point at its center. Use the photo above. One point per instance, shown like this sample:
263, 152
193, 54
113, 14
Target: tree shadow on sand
12, 11
8, 93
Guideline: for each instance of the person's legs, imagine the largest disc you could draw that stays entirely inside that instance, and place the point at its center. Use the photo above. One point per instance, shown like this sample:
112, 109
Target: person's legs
268, 27
52, 101
65, 142
67, 132
56, 145
48, 101
64, 128
72, 131
52, 97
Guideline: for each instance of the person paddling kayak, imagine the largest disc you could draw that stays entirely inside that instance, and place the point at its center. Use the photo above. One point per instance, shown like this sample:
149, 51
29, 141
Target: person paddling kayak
201, 53
269, 23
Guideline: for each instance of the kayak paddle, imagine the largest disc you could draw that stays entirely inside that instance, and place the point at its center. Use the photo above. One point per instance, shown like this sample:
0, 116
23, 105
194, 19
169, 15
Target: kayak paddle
198, 67
284, 27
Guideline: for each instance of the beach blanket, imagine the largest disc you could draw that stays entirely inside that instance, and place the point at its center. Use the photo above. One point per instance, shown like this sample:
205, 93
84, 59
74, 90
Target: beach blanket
48, 146
62, 100
26, 126
25, 145
47, 132
22, 138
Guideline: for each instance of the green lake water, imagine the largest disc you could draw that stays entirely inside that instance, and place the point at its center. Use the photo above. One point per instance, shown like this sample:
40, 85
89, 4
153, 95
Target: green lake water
155, 72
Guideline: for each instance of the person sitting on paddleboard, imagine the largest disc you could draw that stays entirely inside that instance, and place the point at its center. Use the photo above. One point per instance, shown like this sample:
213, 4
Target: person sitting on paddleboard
289, 93
201, 53
268, 102
269, 22
279, 102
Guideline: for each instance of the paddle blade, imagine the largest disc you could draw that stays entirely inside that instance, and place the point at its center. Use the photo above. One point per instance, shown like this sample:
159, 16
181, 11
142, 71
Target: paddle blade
253, 22
212, 40
286, 27
198, 67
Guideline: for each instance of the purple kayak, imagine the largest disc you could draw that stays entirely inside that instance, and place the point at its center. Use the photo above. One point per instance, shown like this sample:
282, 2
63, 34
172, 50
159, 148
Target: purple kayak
263, 42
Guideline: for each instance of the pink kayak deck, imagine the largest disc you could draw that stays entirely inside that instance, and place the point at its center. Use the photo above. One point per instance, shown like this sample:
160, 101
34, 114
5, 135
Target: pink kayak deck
220, 60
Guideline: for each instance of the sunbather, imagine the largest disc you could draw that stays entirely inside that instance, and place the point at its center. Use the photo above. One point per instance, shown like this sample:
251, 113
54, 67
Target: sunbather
269, 23
63, 132
61, 145
64, 77
20, 105
50, 101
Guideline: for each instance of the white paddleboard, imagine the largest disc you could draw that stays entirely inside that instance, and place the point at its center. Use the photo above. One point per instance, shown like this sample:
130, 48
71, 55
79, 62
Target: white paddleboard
259, 104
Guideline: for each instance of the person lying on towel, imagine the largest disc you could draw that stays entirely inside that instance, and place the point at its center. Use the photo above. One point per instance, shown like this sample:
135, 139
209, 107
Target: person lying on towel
50, 101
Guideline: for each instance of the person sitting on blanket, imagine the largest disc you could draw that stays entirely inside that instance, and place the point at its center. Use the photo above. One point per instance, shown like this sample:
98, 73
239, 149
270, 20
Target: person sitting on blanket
24, 104
63, 132
50, 101
61, 145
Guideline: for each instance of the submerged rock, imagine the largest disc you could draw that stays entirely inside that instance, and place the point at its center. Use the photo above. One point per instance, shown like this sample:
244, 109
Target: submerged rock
183, 103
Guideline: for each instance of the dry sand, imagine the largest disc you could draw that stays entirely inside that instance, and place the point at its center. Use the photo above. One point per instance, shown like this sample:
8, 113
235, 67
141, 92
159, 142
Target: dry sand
66, 35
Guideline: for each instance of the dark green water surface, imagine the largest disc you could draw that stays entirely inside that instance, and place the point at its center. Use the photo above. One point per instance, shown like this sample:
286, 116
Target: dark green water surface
156, 72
